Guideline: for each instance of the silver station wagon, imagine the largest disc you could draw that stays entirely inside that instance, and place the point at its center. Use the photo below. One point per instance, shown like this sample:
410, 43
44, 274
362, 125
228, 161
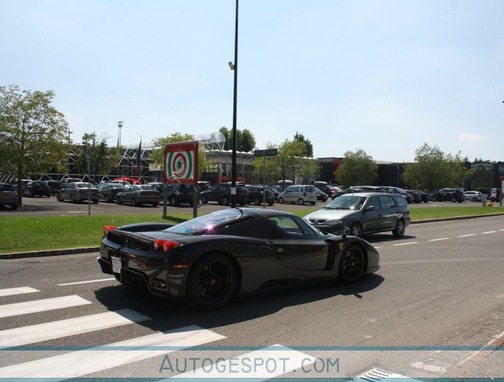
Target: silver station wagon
363, 213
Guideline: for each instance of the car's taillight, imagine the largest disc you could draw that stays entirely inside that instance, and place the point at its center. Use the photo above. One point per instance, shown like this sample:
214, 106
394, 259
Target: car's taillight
107, 229
164, 245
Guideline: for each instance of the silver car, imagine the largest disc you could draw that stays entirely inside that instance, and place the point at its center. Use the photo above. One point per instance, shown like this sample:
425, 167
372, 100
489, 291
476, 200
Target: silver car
363, 213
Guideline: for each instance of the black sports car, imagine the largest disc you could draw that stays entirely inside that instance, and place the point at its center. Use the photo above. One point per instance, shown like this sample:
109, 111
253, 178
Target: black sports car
212, 258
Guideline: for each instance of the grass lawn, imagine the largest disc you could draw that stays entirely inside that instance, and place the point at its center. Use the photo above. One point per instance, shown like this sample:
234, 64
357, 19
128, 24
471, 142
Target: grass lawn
21, 234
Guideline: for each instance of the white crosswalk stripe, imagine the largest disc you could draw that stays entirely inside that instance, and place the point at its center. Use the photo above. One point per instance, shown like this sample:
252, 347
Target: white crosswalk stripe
44, 305
79, 363
64, 328
16, 291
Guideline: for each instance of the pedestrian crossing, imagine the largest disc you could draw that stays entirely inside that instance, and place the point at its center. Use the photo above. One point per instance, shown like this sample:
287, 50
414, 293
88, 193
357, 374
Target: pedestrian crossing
23, 360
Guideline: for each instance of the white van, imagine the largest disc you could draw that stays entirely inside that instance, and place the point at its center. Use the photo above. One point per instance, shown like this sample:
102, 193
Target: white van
299, 194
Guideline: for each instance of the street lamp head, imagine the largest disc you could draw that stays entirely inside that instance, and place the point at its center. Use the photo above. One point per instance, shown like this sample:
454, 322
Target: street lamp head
231, 65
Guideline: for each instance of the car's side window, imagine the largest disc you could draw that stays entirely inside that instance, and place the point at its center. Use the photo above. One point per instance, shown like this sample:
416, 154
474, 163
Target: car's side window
373, 201
285, 225
385, 202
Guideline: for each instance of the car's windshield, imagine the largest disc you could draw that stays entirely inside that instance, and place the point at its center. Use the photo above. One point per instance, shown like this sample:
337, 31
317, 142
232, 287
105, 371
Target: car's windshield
346, 202
206, 223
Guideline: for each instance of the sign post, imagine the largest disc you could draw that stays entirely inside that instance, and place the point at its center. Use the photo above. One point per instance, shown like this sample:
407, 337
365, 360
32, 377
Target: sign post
181, 166
264, 154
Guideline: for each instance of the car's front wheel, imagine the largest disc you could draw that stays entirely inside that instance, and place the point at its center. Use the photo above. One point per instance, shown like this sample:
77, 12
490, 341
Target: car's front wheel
59, 198
281, 200
212, 282
300, 201
399, 229
356, 230
352, 263
204, 199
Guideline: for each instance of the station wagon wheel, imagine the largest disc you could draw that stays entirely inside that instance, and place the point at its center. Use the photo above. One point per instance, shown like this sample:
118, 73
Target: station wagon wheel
352, 263
399, 229
212, 282
301, 201
356, 230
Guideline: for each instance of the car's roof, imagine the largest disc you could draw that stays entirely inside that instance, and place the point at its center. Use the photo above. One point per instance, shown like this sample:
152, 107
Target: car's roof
264, 212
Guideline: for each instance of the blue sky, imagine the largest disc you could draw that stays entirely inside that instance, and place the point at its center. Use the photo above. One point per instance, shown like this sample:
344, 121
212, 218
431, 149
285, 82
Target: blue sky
383, 76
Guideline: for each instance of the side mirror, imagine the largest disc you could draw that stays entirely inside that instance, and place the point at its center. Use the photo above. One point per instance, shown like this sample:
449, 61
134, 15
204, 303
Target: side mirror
346, 232
370, 208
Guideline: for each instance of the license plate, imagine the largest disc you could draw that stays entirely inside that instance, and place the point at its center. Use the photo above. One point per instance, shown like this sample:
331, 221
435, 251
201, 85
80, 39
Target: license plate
116, 264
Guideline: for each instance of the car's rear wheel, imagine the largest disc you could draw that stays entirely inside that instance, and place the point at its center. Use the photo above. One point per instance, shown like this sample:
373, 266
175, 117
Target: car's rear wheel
225, 200
301, 201
399, 229
352, 263
212, 282
118, 201
172, 201
356, 230
257, 201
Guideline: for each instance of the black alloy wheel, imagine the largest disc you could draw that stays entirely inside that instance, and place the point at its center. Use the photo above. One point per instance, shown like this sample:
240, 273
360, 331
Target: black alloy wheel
352, 263
399, 229
356, 230
212, 282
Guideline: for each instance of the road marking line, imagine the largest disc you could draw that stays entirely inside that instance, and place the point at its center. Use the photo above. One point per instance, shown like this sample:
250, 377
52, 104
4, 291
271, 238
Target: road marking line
15, 291
468, 235
27, 307
487, 232
283, 358
409, 243
377, 375
440, 239
88, 282
79, 363
69, 327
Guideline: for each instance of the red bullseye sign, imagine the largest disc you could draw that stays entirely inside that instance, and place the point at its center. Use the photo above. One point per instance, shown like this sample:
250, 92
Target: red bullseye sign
181, 162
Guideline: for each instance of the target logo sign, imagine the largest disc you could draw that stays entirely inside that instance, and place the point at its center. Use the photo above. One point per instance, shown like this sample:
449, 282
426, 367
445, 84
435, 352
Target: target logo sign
181, 162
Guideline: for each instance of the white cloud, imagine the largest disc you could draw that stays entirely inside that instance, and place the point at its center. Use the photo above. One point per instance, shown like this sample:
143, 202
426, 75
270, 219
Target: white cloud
470, 137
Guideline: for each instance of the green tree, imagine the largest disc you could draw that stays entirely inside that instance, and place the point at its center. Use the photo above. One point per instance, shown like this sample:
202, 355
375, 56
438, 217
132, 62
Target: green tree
157, 155
290, 162
34, 136
245, 140
101, 157
309, 145
433, 169
357, 168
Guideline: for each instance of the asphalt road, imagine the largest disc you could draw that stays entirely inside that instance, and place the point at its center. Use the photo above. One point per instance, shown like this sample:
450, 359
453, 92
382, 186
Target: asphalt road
429, 312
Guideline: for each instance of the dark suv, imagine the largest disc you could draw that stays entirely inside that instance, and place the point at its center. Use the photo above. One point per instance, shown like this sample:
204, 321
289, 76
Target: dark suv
256, 195
180, 193
221, 193
37, 188
447, 194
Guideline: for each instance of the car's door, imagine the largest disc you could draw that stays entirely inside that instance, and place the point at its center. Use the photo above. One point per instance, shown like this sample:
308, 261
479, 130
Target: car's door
389, 212
371, 217
299, 248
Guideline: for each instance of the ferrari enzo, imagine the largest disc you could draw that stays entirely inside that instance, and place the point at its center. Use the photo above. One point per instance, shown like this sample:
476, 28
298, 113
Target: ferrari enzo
213, 258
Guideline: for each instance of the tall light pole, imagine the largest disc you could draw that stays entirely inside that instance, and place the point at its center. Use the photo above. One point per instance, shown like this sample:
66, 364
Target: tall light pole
234, 68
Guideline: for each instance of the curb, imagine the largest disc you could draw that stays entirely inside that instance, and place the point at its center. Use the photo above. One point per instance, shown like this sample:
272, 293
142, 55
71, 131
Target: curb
51, 252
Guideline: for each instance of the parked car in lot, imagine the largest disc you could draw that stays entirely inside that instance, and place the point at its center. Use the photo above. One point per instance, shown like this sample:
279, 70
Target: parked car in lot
211, 259
37, 188
138, 194
8, 196
76, 192
321, 195
108, 191
257, 197
363, 213
221, 193
447, 194
300, 194
54, 185
177, 194
474, 196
